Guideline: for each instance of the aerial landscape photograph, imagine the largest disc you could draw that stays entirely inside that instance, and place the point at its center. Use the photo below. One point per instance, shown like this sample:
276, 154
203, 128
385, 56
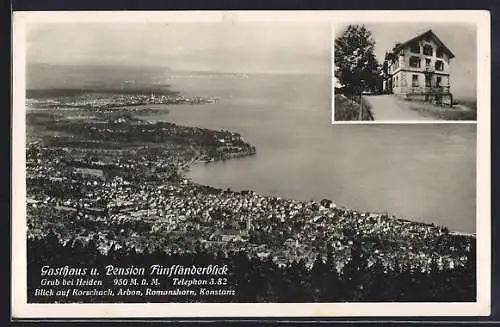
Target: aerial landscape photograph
198, 162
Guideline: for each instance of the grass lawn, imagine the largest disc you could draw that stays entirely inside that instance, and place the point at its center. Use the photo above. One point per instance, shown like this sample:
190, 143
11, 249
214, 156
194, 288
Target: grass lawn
457, 112
347, 109
467, 102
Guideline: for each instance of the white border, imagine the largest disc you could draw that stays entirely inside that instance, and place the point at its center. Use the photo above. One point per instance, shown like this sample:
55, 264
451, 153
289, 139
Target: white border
400, 122
22, 310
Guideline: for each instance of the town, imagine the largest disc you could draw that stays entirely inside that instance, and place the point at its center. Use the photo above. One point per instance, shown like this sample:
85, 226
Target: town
91, 99
120, 181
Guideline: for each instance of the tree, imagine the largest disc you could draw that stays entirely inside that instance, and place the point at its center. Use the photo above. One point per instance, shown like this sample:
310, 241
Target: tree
356, 67
393, 54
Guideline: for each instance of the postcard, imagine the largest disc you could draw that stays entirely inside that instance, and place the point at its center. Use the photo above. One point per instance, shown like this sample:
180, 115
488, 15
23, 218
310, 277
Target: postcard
251, 164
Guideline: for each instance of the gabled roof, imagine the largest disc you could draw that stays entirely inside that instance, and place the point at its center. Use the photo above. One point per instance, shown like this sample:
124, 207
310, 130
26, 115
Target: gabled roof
229, 232
431, 34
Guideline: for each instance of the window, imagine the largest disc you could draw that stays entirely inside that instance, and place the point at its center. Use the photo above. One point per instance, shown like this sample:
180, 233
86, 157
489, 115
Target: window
415, 62
395, 64
428, 50
439, 65
427, 80
415, 48
438, 81
427, 62
439, 53
414, 80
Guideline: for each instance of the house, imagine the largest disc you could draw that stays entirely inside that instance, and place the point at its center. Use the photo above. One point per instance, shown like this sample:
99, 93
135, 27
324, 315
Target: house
229, 235
290, 242
418, 69
90, 172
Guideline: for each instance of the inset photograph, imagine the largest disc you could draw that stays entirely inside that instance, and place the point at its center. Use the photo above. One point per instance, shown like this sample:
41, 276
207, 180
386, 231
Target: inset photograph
396, 72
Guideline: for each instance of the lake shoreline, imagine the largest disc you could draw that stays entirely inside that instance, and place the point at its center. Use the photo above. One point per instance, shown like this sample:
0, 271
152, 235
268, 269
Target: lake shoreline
186, 170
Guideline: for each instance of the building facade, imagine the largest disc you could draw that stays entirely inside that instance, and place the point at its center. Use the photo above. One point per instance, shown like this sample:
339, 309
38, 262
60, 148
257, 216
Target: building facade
418, 69
90, 172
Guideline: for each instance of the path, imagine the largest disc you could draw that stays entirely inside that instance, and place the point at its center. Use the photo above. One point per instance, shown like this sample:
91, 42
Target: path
389, 107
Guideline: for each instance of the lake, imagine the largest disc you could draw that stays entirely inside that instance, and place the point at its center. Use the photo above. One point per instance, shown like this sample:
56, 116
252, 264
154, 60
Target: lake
423, 172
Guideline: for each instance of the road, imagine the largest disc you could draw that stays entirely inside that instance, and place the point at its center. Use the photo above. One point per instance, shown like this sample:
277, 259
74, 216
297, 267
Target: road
389, 107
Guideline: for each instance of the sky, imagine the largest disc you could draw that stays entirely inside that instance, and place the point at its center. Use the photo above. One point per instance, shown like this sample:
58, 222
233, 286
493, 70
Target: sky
212, 47
458, 37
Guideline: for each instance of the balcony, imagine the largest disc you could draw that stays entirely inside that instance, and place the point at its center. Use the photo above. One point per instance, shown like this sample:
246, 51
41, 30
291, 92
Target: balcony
429, 69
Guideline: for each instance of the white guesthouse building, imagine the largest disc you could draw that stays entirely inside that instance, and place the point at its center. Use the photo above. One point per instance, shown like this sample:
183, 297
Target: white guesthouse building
419, 70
